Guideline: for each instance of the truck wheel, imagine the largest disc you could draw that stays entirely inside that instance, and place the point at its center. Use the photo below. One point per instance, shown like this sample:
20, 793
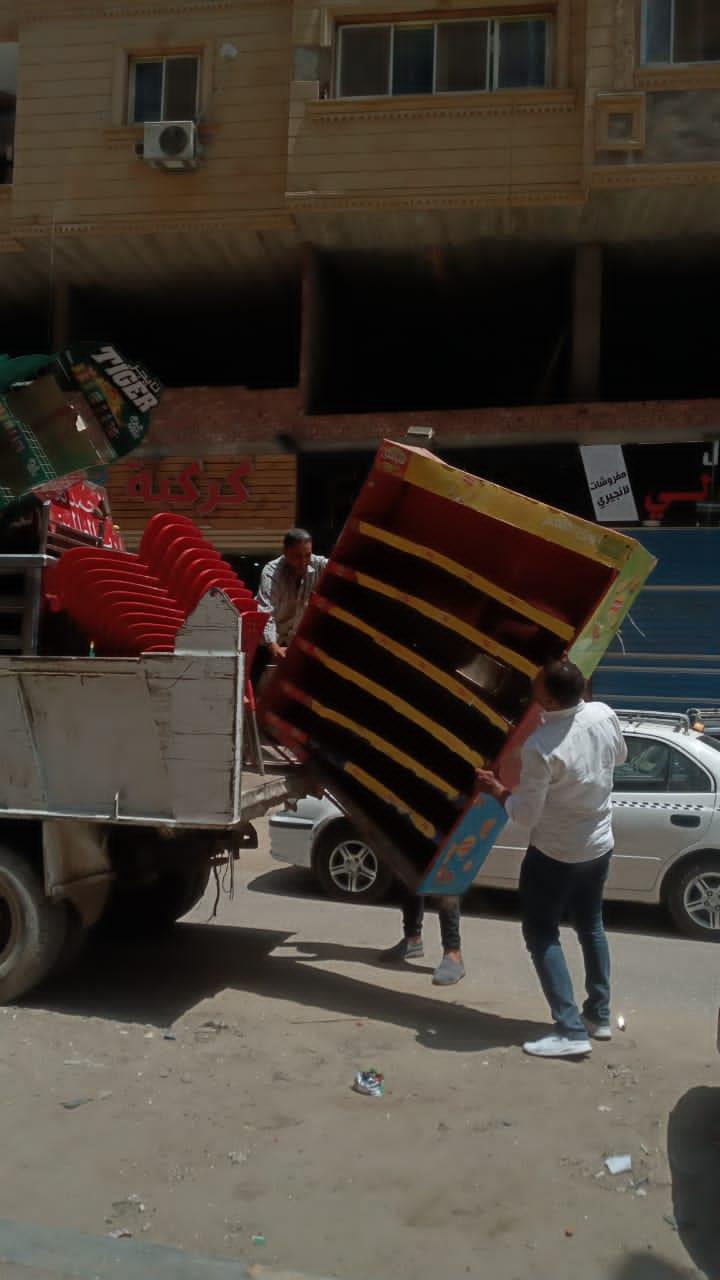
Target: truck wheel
158, 881
693, 897
172, 896
154, 907
32, 928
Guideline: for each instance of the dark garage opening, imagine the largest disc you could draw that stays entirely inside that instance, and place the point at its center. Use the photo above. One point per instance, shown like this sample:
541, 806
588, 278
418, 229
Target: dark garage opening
661, 323
245, 335
445, 329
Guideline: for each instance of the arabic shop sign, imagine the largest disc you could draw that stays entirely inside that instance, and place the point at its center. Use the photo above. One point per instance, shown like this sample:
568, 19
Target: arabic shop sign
190, 488
608, 482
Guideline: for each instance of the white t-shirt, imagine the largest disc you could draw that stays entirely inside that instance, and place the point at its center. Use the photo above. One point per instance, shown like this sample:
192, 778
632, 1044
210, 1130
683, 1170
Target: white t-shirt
564, 797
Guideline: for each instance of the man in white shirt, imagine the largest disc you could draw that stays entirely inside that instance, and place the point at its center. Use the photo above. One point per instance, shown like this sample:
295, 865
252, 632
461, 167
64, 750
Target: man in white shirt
286, 585
564, 800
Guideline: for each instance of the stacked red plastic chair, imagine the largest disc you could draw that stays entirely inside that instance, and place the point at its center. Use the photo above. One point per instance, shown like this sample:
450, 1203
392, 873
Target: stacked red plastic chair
188, 565
131, 604
114, 600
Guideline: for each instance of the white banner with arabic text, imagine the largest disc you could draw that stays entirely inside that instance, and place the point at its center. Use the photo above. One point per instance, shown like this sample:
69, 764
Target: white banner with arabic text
608, 483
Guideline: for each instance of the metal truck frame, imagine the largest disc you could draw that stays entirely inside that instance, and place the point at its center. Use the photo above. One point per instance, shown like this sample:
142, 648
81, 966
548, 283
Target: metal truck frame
121, 783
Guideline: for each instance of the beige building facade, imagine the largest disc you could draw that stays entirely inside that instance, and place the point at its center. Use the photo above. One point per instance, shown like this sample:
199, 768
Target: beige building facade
320, 223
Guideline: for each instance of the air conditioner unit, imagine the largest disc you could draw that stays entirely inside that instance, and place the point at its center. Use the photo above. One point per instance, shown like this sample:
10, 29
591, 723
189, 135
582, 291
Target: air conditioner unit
171, 144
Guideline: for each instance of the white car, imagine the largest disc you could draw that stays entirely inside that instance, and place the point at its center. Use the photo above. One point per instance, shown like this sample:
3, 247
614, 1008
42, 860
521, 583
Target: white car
666, 820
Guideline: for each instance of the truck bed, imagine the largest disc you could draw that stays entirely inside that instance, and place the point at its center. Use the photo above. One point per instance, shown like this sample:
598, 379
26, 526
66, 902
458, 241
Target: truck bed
154, 740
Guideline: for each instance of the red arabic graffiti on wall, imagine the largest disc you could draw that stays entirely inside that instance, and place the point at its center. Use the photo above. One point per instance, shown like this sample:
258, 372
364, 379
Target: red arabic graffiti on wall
657, 505
189, 489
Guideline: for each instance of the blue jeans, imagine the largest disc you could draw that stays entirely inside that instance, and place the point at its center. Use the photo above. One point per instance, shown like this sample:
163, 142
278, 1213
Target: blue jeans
549, 888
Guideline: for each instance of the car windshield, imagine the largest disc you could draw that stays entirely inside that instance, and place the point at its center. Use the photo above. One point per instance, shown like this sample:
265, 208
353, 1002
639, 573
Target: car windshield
709, 741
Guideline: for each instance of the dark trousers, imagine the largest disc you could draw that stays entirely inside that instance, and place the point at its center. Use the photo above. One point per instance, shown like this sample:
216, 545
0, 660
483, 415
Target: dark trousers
260, 662
413, 909
549, 888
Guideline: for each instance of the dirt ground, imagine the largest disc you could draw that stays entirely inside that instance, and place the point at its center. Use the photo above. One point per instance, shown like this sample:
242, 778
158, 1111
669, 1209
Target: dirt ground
195, 1091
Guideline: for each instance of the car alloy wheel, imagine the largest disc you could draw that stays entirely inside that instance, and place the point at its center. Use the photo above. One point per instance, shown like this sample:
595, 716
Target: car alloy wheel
353, 867
701, 900
347, 867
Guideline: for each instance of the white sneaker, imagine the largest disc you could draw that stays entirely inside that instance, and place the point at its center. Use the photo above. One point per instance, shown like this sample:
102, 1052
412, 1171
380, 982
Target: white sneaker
598, 1030
558, 1047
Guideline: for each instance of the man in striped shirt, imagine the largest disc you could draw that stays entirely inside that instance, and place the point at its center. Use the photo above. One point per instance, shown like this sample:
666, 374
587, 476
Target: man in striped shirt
286, 585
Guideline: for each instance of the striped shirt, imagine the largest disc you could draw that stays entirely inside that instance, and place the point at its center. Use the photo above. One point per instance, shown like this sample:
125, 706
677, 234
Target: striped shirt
285, 596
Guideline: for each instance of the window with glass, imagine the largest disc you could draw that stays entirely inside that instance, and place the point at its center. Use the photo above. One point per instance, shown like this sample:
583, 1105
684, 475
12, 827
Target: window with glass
686, 775
653, 765
681, 31
460, 56
164, 89
646, 768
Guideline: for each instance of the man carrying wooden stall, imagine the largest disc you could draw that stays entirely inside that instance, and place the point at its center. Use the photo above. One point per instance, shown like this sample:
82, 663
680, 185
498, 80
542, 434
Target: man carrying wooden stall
564, 801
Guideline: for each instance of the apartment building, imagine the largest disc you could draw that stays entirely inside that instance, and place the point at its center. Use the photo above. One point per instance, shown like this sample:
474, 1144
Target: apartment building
320, 224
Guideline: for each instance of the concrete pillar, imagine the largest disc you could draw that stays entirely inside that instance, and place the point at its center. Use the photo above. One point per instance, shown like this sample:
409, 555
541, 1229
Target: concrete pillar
308, 326
61, 302
586, 322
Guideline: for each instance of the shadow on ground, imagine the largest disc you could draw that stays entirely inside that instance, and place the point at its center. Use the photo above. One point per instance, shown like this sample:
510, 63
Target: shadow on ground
694, 1155
157, 981
648, 1266
488, 904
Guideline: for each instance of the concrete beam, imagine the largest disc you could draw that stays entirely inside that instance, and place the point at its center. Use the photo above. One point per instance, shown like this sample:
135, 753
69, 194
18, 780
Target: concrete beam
586, 322
204, 420
308, 324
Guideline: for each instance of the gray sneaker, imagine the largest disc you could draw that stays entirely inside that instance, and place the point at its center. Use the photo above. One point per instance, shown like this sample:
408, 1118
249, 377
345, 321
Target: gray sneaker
448, 972
403, 950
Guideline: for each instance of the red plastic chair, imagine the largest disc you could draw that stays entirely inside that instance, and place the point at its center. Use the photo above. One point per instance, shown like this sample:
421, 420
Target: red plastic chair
137, 603
186, 556
174, 535
97, 556
99, 598
189, 594
100, 580
158, 524
251, 634
111, 603
179, 551
106, 621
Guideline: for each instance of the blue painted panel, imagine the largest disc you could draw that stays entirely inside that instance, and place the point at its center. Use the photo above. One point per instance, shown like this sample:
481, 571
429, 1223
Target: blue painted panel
686, 557
671, 621
466, 849
667, 656
673, 691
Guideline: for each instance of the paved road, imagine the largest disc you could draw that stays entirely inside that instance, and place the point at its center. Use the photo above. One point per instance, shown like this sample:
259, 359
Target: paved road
478, 1160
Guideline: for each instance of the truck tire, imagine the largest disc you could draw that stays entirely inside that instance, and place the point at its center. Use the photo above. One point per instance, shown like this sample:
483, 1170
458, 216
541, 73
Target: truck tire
158, 881
172, 896
32, 928
155, 907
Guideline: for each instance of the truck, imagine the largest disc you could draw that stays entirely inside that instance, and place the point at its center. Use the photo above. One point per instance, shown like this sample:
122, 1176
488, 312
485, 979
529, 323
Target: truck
124, 780
127, 774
